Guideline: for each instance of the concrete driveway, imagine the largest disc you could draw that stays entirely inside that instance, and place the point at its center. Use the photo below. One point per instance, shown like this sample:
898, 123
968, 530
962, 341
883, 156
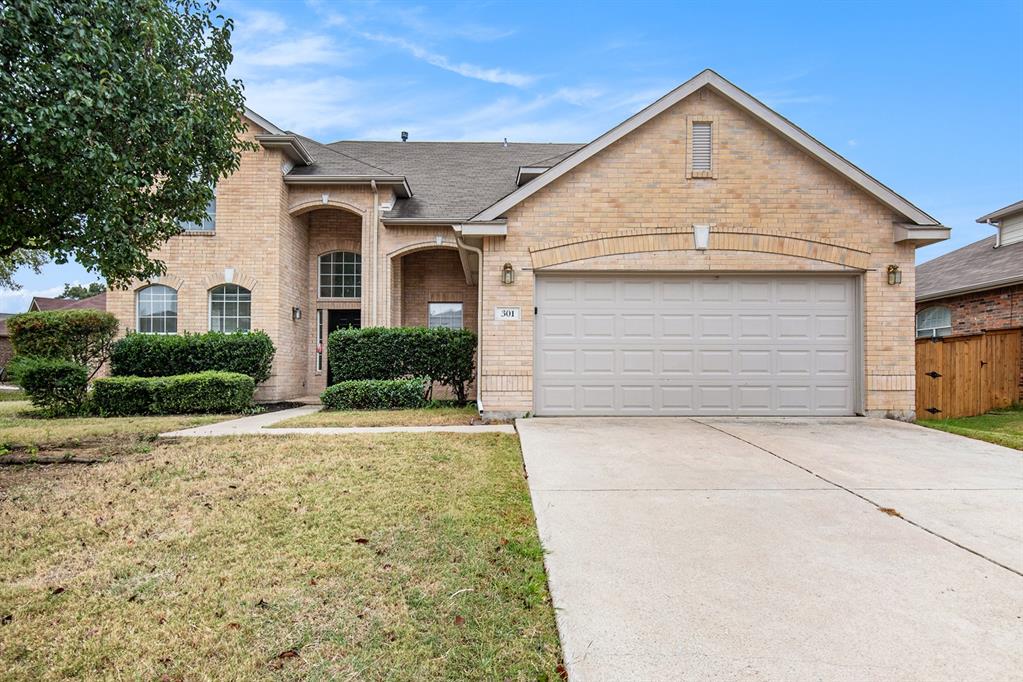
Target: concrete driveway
730, 548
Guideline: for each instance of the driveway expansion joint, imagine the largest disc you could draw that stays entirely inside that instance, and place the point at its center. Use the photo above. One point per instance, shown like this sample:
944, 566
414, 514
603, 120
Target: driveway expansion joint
852, 491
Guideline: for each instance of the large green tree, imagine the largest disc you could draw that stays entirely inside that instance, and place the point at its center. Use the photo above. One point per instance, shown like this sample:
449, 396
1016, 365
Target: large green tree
116, 119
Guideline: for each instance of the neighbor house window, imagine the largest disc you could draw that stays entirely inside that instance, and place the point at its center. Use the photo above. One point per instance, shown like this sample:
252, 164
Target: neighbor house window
209, 223
230, 308
157, 310
340, 275
934, 321
445, 315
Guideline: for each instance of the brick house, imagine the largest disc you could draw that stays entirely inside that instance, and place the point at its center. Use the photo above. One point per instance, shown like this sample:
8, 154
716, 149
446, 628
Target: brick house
977, 288
706, 256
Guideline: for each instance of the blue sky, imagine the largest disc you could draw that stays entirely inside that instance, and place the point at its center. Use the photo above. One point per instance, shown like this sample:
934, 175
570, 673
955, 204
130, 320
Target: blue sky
927, 97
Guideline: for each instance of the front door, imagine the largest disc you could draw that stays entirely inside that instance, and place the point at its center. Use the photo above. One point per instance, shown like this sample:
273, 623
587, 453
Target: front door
340, 319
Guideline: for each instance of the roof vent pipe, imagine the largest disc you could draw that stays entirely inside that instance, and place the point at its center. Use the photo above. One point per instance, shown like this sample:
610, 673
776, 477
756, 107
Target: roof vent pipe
506, 142
404, 136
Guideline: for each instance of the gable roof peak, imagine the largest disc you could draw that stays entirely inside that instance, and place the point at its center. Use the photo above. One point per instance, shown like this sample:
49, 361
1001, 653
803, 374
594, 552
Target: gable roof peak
740, 98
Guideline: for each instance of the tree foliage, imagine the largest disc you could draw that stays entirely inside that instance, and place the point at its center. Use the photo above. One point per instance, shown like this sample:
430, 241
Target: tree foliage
116, 120
76, 292
10, 263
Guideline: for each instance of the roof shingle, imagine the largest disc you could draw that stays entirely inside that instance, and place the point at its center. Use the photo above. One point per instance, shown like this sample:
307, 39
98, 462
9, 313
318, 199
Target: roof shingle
975, 266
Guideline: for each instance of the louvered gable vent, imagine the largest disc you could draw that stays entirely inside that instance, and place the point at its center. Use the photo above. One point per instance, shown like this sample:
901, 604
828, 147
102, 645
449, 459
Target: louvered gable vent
701, 145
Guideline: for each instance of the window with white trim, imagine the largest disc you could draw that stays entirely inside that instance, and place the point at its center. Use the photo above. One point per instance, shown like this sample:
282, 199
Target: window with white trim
444, 315
933, 322
230, 308
340, 275
157, 310
209, 223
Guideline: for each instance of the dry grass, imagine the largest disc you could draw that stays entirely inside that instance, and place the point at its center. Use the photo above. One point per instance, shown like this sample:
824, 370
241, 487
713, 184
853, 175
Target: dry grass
23, 429
431, 416
399, 557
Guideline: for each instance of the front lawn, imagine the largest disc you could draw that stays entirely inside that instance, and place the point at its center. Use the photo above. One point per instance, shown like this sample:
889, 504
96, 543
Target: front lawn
1003, 427
429, 416
398, 556
24, 429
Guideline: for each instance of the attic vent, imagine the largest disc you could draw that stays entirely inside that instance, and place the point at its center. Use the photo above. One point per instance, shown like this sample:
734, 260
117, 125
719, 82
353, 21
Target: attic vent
701, 146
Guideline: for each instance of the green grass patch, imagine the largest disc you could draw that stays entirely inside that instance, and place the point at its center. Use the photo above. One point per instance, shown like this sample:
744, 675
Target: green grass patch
398, 557
427, 416
6, 396
1002, 427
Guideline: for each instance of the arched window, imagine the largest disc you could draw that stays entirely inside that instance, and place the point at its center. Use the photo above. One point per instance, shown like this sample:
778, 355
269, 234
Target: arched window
933, 321
230, 308
157, 310
340, 275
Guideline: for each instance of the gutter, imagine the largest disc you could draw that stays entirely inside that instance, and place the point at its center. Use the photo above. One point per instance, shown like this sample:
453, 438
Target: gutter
399, 182
289, 144
479, 319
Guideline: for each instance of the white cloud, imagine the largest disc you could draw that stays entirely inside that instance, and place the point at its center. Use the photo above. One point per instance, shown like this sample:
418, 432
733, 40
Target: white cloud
490, 75
17, 301
315, 49
309, 106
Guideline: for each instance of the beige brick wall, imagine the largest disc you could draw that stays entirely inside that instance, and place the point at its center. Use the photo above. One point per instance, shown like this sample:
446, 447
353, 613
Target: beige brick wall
781, 209
435, 276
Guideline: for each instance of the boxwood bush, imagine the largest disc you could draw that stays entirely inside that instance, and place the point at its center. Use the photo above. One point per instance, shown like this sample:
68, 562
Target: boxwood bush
444, 355
376, 394
58, 386
202, 392
154, 355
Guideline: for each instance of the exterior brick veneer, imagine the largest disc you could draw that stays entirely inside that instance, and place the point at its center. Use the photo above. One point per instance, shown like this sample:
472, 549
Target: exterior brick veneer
771, 207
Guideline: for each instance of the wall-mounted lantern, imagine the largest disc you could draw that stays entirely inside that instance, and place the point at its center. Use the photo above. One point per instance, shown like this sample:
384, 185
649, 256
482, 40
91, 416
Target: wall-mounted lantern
296, 314
894, 275
507, 274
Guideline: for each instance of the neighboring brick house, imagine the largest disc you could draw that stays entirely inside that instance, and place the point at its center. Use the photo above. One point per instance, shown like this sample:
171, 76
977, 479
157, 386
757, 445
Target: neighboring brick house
976, 288
41, 303
706, 256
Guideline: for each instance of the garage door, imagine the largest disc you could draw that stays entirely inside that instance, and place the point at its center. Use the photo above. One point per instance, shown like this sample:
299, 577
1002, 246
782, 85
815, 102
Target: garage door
695, 345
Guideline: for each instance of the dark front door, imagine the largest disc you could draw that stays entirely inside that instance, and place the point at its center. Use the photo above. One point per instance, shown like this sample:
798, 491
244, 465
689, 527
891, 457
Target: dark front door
340, 319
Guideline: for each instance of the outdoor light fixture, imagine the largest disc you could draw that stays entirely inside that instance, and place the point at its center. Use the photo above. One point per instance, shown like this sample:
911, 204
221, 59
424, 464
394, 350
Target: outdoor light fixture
507, 274
894, 275
296, 313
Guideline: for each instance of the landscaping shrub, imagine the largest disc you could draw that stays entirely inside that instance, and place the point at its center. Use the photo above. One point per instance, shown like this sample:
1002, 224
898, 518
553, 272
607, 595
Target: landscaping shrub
376, 394
203, 392
154, 355
58, 386
444, 355
81, 336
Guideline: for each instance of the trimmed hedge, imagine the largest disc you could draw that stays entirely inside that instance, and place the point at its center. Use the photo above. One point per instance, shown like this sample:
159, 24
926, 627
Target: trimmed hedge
444, 355
83, 336
58, 386
203, 392
376, 394
157, 355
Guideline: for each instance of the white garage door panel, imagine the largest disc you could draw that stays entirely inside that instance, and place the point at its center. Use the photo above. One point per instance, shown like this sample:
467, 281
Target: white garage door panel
695, 345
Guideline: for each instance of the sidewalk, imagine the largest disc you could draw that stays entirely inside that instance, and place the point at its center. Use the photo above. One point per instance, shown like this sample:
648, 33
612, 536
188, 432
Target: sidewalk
258, 423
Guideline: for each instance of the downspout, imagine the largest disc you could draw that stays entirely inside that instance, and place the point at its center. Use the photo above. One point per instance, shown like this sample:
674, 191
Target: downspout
375, 240
479, 317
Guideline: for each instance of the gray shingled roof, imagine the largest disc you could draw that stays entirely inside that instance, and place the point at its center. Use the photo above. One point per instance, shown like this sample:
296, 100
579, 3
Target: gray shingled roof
449, 180
975, 266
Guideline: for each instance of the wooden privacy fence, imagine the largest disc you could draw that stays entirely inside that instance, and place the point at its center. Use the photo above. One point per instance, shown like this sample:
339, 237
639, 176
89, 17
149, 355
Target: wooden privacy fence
962, 376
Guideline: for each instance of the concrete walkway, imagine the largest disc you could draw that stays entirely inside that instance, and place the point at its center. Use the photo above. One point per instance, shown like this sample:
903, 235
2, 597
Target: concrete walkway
779, 549
258, 423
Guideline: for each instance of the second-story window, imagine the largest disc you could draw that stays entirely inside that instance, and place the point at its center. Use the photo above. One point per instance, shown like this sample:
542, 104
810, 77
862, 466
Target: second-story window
340, 275
209, 223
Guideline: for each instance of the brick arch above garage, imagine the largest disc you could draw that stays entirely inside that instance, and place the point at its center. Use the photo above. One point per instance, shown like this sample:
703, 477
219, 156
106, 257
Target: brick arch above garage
607, 245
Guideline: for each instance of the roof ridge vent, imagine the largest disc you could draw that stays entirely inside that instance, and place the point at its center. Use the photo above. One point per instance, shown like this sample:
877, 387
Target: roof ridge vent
404, 136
